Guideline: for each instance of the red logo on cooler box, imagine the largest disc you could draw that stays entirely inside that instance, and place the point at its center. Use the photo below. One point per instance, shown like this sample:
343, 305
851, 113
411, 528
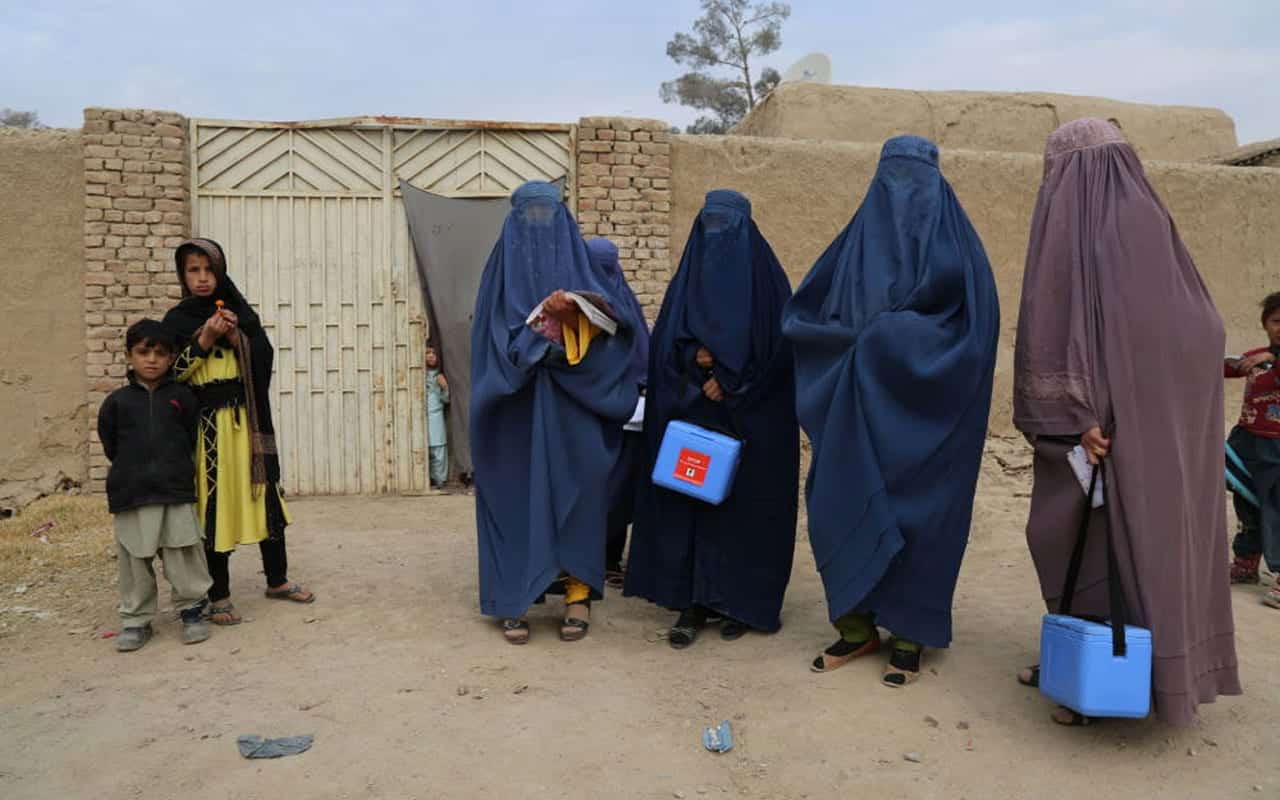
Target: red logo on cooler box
691, 466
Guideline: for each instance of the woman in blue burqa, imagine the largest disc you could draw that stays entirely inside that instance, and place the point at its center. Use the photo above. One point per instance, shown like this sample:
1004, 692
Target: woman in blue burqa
895, 331
551, 388
717, 359
629, 470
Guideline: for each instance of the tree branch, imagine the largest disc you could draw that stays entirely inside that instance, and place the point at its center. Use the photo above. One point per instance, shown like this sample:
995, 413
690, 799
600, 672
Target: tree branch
727, 36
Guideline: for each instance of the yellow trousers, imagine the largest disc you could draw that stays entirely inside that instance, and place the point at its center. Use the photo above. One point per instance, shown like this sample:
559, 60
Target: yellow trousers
575, 591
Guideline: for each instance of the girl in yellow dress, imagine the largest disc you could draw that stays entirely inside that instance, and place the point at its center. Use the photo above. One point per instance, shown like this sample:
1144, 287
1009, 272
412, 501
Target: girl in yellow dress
227, 361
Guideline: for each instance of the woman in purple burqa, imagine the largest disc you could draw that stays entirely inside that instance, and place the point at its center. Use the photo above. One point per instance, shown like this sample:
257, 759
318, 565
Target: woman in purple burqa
1120, 350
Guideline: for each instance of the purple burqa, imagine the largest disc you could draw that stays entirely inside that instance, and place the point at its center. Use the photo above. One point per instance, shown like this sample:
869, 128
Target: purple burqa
1117, 330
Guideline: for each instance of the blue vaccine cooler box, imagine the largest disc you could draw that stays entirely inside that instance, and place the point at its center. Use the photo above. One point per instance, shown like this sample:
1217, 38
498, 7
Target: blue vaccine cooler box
1079, 670
697, 462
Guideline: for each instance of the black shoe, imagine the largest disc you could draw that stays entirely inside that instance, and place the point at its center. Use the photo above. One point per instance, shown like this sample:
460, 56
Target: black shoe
194, 627
731, 630
685, 631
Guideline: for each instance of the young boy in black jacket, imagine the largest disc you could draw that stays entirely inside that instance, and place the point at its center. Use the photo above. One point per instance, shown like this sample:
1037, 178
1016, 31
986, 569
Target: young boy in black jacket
148, 431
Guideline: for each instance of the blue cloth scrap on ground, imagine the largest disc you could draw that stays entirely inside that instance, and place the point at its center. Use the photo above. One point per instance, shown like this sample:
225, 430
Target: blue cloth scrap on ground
719, 738
258, 747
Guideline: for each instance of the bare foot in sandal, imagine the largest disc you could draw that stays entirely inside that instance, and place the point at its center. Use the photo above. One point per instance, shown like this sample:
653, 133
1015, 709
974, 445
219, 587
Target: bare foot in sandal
1029, 676
1065, 716
515, 631
291, 591
577, 621
224, 613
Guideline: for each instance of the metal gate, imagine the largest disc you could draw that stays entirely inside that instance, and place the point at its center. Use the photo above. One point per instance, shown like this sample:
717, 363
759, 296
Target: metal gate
316, 237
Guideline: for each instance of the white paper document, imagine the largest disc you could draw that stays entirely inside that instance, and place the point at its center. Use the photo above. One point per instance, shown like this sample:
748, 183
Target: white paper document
636, 423
1080, 465
597, 317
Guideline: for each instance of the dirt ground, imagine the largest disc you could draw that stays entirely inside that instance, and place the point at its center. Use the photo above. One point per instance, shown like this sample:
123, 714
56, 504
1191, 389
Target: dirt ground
411, 694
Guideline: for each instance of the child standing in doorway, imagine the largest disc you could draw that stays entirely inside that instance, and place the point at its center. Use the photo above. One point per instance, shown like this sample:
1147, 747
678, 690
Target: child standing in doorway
148, 431
437, 434
1256, 442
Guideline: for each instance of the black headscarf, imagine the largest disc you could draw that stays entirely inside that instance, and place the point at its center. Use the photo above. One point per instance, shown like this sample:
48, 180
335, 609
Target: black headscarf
255, 355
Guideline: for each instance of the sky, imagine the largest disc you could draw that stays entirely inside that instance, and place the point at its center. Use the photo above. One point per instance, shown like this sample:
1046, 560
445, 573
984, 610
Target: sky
558, 60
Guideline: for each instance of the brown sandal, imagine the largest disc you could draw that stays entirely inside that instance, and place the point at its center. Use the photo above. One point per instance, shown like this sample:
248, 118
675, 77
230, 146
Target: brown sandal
1029, 676
842, 652
1076, 719
572, 628
515, 631
223, 614
291, 591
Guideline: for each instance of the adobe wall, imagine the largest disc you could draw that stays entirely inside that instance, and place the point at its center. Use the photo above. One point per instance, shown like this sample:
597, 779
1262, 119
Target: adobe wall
41, 341
624, 193
88, 221
137, 208
998, 121
803, 193
1256, 154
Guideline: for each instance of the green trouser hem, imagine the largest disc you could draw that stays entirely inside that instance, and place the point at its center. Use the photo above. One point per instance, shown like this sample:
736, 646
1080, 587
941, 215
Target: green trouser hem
856, 628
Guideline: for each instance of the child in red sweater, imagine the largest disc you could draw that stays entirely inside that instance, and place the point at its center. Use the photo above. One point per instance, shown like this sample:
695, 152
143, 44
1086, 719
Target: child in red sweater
1256, 440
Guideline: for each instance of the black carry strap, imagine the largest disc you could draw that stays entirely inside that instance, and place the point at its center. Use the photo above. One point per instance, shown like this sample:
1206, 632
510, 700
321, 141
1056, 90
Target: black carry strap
1114, 590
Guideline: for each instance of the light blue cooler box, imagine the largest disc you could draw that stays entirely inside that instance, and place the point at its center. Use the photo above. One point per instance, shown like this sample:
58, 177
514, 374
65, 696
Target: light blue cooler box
697, 462
1078, 669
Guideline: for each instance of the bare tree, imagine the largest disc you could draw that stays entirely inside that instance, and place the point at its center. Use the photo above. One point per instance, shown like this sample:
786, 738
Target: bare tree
728, 35
9, 118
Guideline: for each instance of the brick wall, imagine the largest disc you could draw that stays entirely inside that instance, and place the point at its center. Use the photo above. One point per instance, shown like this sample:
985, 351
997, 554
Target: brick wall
624, 193
137, 209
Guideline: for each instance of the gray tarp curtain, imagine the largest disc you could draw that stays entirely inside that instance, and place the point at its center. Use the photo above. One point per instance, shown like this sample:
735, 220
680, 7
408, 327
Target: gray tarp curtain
452, 239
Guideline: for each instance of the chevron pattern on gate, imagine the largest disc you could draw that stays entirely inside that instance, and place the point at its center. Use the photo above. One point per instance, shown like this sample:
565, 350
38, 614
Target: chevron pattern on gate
313, 224
323, 160
466, 162
479, 162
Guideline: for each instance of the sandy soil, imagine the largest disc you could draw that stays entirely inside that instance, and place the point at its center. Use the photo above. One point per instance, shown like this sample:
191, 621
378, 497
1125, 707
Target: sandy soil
411, 694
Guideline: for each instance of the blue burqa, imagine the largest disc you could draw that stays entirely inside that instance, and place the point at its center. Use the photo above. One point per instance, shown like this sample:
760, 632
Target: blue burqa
628, 471
895, 333
544, 434
604, 257
727, 296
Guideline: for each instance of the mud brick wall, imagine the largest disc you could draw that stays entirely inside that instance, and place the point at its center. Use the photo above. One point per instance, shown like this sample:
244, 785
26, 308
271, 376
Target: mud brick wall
137, 209
42, 430
624, 193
